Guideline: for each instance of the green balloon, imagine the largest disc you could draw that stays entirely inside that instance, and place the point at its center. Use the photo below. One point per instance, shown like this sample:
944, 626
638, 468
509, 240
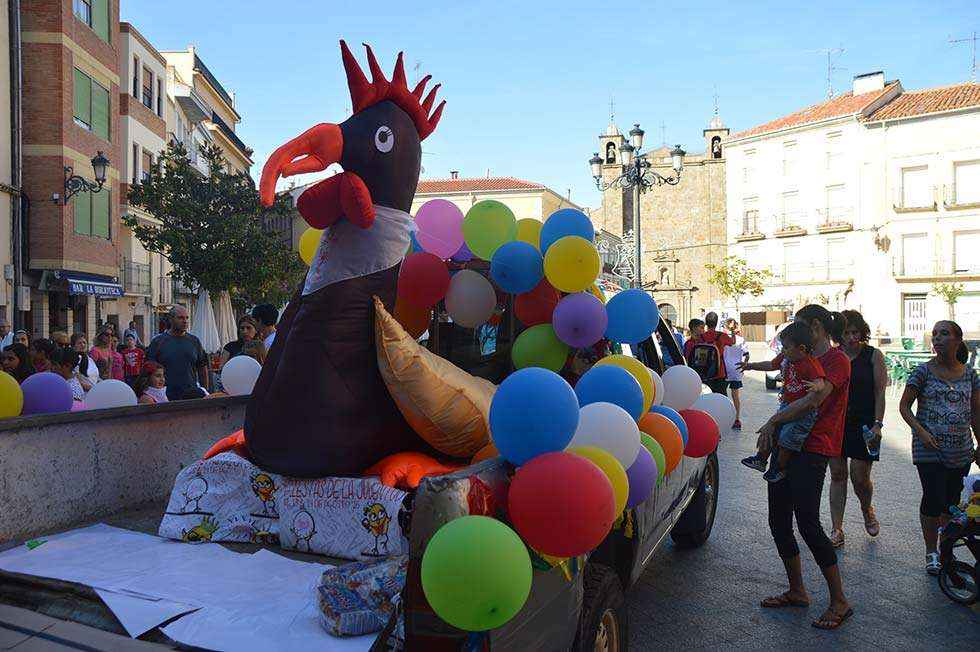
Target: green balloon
538, 346
476, 573
657, 451
487, 225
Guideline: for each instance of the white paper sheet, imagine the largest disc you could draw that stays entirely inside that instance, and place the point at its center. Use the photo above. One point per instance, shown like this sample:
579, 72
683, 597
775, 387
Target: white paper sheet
140, 614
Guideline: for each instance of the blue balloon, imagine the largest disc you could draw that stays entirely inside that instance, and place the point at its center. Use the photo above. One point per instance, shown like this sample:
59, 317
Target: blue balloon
517, 267
567, 221
611, 384
633, 316
414, 245
674, 416
534, 411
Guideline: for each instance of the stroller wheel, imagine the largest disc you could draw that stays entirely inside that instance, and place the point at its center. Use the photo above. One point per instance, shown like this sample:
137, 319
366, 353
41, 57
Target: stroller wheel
958, 580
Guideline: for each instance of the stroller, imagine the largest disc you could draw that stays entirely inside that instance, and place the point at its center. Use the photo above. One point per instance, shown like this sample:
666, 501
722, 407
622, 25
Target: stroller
959, 580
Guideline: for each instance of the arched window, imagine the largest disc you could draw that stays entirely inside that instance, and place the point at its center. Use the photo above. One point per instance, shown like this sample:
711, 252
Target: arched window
716, 147
610, 152
668, 312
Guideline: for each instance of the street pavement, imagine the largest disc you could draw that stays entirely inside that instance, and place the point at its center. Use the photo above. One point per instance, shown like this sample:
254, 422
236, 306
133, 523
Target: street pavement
708, 598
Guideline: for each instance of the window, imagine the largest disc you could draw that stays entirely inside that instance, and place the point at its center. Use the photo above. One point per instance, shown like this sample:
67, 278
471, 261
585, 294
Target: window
91, 105
668, 312
965, 248
748, 172
967, 311
136, 77
159, 97
838, 258
750, 215
792, 216
835, 151
83, 10
915, 187
913, 315
147, 88
793, 269
92, 213
95, 14
835, 199
966, 182
789, 159
147, 165
916, 260
136, 164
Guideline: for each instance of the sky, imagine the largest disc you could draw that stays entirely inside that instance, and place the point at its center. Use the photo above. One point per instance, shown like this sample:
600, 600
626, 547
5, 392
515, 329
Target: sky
528, 84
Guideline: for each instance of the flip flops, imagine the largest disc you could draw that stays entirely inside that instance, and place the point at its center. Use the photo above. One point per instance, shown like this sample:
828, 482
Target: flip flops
782, 601
837, 538
833, 621
871, 524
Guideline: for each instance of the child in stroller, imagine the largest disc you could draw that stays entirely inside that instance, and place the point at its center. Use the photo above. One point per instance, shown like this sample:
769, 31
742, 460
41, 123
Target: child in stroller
959, 580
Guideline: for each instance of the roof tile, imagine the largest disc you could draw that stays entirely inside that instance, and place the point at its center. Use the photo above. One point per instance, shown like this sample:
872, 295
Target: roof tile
439, 186
929, 100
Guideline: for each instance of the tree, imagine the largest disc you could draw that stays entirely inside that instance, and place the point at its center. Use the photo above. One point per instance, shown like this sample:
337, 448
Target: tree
212, 229
950, 292
734, 278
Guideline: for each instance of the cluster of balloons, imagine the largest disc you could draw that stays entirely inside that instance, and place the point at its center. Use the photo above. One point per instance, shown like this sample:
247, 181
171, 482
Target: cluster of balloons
49, 393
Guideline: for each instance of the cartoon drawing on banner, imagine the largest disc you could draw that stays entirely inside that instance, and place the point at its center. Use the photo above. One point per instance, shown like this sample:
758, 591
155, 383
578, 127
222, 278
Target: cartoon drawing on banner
200, 533
195, 490
241, 528
264, 488
376, 521
303, 528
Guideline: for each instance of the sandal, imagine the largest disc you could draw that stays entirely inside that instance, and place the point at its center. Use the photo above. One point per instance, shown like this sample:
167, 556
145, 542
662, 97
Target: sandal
833, 620
871, 524
783, 600
837, 538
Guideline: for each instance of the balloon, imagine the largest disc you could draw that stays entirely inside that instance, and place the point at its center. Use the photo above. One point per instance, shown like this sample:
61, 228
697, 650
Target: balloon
657, 451
565, 222
572, 264
610, 428
538, 305
538, 346
46, 392
702, 433
11, 396
413, 319
667, 435
470, 300
534, 411
487, 452
566, 517
595, 291
308, 243
463, 255
516, 267
579, 320
476, 573
633, 316
642, 475
721, 409
114, 393
682, 386
639, 371
487, 225
78, 406
529, 231
674, 416
423, 279
658, 387
613, 470
611, 384
440, 227
413, 244
239, 375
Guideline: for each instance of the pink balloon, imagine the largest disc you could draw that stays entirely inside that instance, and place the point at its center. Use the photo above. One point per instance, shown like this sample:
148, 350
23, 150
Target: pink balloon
440, 227
78, 406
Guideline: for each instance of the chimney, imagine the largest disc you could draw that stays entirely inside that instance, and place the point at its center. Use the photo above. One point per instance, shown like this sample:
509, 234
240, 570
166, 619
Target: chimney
454, 174
869, 82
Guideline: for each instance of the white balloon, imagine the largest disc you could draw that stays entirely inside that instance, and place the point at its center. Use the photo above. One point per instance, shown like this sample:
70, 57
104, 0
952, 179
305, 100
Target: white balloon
721, 409
239, 374
610, 428
109, 394
658, 382
682, 386
470, 300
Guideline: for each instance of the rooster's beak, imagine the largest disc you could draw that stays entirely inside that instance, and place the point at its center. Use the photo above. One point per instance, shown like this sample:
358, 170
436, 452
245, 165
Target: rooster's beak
312, 151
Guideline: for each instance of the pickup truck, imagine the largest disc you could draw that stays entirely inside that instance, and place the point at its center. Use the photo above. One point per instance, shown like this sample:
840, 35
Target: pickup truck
575, 604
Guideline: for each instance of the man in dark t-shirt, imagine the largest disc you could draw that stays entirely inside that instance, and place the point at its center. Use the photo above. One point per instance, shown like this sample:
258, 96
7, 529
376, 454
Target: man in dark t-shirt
182, 356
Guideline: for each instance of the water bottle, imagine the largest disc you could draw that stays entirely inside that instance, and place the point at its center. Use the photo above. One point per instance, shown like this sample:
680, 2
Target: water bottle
868, 438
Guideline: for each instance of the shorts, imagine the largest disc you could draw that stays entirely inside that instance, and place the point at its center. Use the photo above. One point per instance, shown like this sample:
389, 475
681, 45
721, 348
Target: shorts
941, 487
717, 385
792, 434
735, 384
854, 445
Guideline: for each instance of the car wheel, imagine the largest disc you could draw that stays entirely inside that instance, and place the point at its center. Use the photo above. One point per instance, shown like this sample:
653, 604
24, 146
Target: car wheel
694, 526
770, 383
603, 624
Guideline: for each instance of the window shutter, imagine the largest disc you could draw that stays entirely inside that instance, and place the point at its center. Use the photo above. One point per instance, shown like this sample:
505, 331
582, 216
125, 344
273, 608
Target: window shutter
83, 97
100, 18
82, 202
100, 111
100, 213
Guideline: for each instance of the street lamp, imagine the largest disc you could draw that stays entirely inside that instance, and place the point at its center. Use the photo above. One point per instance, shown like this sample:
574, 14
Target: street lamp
638, 177
75, 184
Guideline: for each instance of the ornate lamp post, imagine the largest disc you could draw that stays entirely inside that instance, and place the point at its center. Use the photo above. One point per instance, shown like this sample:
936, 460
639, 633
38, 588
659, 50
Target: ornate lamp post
639, 177
75, 184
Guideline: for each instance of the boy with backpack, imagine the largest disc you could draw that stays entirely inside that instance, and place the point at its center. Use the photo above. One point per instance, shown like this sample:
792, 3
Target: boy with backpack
705, 354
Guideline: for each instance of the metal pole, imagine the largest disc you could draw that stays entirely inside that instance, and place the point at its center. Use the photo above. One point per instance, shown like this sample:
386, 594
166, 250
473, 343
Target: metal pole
637, 275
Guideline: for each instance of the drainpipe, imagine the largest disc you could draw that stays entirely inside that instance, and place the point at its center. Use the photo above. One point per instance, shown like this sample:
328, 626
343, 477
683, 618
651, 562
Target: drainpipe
16, 178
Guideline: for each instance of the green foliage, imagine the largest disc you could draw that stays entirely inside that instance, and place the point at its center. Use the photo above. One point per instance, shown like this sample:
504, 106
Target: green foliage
950, 292
211, 229
734, 278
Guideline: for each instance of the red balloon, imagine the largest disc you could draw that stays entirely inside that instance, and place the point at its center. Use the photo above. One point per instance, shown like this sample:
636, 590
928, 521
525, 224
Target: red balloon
535, 307
561, 504
702, 433
423, 279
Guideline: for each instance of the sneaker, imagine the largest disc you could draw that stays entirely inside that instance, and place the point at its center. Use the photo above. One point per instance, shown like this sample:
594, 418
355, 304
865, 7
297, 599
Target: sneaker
755, 463
774, 474
932, 563
737, 425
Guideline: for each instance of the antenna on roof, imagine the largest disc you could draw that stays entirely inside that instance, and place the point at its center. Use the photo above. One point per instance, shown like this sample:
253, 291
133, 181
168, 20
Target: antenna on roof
716, 100
832, 54
973, 41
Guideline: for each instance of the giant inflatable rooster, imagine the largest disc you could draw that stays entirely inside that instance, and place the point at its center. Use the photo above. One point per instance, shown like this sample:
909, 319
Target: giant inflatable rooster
320, 407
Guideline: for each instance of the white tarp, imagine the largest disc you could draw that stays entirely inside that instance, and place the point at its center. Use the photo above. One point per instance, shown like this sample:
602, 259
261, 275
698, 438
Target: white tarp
203, 325
243, 602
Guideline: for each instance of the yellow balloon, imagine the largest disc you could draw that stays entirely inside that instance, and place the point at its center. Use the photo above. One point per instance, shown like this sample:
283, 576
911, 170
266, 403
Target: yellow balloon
571, 264
597, 293
308, 243
11, 396
611, 467
640, 372
529, 231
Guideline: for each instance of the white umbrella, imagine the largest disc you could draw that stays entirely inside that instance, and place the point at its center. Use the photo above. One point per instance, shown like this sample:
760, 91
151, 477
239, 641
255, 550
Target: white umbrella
204, 326
224, 315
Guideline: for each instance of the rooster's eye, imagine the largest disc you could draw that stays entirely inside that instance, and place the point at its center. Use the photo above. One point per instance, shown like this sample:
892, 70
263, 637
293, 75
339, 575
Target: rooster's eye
384, 139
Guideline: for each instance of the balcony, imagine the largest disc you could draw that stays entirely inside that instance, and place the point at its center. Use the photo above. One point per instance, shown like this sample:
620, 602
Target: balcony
182, 289
821, 271
915, 200
191, 103
968, 197
834, 220
933, 269
135, 278
230, 134
166, 291
205, 72
791, 223
750, 227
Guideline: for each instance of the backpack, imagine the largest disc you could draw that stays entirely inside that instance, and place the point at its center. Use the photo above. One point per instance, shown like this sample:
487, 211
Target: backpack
704, 360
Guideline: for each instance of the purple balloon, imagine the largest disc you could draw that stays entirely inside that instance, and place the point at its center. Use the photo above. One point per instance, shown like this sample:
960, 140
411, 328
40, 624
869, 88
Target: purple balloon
440, 227
46, 392
580, 320
464, 255
642, 476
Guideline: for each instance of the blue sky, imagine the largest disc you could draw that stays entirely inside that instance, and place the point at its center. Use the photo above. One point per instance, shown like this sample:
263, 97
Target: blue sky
528, 83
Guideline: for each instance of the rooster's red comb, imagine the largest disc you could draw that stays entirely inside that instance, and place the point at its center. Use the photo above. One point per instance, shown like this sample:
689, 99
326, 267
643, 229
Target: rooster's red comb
364, 93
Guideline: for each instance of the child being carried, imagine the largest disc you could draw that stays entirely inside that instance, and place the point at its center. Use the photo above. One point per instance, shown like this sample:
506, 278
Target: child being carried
801, 375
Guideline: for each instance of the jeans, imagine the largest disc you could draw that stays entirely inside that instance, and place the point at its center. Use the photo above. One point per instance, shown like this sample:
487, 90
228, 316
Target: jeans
798, 494
792, 434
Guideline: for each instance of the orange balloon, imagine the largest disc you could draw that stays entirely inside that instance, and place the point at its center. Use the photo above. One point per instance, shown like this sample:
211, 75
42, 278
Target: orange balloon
667, 435
487, 452
413, 319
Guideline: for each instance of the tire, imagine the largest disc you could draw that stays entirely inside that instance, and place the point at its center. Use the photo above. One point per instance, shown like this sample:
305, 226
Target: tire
770, 383
958, 580
604, 621
694, 526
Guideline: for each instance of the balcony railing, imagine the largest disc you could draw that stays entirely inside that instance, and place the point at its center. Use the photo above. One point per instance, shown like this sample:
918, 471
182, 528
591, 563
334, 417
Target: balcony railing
807, 272
791, 223
967, 197
135, 277
230, 134
920, 266
181, 288
919, 199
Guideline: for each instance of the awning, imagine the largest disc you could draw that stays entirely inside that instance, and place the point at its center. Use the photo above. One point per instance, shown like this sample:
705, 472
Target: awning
100, 286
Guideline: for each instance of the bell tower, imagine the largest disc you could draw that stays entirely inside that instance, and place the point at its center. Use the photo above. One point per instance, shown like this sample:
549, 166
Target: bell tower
715, 136
614, 199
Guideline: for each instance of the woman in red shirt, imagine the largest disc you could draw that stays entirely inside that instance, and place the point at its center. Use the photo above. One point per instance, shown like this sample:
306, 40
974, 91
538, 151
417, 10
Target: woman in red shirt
799, 493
